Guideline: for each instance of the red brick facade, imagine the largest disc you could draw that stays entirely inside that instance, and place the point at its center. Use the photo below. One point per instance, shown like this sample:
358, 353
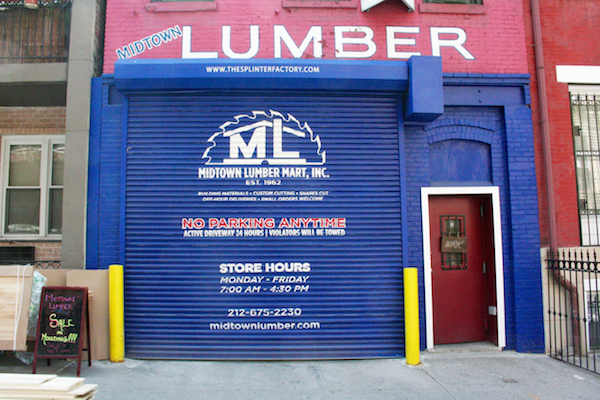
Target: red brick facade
44, 251
569, 29
32, 120
495, 31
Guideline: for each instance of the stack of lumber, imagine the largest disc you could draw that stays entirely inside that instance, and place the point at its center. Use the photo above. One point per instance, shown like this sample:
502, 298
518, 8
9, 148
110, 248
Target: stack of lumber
44, 387
15, 294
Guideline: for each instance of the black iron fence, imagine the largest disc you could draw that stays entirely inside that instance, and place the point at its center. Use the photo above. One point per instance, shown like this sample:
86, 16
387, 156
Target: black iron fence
34, 33
573, 308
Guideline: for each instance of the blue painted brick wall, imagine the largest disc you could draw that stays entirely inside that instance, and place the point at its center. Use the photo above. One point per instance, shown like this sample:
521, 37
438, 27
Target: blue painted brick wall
525, 231
107, 190
507, 128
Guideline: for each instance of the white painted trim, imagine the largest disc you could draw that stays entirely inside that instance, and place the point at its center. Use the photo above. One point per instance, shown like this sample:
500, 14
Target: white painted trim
368, 4
410, 4
584, 89
494, 191
45, 183
588, 74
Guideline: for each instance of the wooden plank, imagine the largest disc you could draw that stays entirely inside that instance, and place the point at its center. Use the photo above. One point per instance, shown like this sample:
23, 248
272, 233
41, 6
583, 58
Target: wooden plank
62, 384
51, 385
46, 396
13, 270
87, 396
44, 387
97, 283
8, 378
83, 389
15, 293
82, 392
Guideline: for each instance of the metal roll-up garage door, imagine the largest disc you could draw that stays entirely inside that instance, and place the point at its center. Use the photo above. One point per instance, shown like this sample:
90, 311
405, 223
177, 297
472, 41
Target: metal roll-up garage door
263, 226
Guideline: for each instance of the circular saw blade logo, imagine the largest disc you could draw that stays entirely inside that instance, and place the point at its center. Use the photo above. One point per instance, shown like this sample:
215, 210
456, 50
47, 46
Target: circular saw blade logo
264, 138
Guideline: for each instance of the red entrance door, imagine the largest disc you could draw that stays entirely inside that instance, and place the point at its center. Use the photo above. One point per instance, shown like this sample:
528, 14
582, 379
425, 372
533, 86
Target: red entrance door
463, 275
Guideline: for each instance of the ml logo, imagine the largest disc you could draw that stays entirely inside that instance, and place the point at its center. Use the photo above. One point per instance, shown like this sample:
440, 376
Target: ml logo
264, 138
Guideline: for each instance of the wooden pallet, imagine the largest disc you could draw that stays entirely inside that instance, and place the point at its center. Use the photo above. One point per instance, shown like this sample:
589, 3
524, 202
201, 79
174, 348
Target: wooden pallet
44, 387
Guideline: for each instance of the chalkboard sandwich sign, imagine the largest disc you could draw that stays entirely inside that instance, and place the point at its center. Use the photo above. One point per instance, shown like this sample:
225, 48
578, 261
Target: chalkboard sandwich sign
63, 315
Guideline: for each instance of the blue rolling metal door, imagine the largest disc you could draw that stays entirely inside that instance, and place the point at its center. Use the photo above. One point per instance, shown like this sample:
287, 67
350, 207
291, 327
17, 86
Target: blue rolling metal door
263, 226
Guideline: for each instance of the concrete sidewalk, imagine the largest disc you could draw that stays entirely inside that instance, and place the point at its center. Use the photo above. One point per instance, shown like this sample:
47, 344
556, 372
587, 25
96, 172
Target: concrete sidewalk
442, 375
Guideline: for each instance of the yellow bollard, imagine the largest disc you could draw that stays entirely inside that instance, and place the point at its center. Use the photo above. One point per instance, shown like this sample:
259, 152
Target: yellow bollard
411, 316
116, 305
